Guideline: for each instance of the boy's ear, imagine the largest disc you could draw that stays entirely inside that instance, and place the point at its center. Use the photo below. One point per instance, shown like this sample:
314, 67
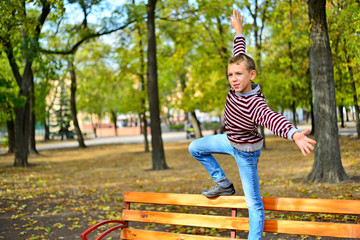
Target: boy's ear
252, 75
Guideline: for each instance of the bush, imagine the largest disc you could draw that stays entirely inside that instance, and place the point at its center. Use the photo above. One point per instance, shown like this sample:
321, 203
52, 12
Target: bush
4, 142
177, 127
211, 125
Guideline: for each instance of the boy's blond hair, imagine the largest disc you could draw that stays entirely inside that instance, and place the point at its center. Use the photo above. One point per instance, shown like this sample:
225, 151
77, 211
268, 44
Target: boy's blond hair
243, 58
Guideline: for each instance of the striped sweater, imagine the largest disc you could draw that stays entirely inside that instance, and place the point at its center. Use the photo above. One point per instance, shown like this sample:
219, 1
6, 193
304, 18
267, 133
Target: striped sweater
245, 111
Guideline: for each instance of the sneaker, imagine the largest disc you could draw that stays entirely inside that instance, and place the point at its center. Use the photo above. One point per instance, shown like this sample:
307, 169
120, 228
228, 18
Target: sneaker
218, 190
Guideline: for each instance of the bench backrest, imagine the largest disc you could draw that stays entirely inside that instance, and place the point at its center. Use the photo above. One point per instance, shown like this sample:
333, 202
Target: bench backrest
233, 223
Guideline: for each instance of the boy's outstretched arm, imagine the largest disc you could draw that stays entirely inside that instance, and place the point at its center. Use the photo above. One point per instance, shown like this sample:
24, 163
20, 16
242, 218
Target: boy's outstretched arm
303, 142
237, 21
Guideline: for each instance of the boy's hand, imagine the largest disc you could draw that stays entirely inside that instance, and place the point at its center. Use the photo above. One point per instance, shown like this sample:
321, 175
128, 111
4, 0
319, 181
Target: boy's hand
237, 21
303, 142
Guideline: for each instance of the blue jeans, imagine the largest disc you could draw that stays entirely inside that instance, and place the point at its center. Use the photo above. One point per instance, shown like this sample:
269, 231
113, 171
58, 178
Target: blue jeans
203, 148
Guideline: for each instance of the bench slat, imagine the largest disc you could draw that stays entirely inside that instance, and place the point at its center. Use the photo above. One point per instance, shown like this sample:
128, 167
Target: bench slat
237, 223
275, 204
186, 219
313, 228
312, 205
196, 200
137, 234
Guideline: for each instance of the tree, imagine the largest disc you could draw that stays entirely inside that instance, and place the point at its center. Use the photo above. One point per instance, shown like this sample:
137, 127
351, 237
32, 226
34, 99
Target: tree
46, 71
285, 79
197, 41
73, 88
62, 113
9, 92
327, 165
140, 72
158, 154
15, 21
79, 34
345, 46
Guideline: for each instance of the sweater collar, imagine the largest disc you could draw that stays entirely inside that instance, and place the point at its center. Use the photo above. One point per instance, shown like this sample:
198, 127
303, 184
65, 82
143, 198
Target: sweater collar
255, 88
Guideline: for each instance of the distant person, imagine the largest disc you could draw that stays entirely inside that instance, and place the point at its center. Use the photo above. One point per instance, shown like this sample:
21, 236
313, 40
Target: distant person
245, 109
190, 131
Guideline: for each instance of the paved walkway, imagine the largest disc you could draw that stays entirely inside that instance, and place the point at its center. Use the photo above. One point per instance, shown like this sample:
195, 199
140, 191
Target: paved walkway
167, 137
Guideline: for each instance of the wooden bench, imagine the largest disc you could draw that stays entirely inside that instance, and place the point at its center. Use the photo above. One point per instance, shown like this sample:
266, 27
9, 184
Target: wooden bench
301, 206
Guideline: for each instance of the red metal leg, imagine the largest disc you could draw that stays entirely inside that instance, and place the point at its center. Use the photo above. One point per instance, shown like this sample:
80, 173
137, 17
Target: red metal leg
233, 214
89, 230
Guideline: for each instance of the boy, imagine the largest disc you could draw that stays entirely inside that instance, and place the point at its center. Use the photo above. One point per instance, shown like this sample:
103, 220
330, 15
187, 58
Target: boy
245, 108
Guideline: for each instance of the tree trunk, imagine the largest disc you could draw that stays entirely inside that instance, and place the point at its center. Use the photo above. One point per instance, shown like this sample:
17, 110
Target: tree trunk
94, 127
327, 165
356, 106
22, 113
196, 125
143, 120
347, 114
73, 87
11, 135
32, 122
47, 131
158, 155
143, 125
114, 120
294, 112
312, 119
22, 118
341, 109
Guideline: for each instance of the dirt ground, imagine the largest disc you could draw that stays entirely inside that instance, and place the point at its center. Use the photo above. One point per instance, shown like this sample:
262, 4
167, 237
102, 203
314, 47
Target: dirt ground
65, 191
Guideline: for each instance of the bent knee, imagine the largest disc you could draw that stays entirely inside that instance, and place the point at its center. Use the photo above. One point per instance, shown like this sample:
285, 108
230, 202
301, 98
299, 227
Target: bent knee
192, 148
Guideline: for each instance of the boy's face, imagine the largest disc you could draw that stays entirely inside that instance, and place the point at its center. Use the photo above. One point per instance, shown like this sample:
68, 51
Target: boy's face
240, 78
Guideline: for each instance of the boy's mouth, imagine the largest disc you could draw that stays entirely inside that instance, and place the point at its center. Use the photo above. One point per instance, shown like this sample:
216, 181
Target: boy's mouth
236, 85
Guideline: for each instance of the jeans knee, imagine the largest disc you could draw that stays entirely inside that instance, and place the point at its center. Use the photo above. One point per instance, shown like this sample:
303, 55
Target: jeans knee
255, 204
192, 148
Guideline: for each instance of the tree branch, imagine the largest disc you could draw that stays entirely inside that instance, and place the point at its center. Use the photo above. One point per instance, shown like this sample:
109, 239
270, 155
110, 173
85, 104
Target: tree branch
74, 48
213, 40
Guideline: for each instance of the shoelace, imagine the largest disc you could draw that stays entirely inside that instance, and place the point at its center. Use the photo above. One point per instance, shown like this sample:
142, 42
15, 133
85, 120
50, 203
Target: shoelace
216, 187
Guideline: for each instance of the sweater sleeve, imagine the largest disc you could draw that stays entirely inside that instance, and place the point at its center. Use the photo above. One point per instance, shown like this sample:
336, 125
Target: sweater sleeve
239, 45
277, 123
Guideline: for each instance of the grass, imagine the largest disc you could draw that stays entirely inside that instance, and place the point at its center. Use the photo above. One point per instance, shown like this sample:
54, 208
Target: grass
67, 190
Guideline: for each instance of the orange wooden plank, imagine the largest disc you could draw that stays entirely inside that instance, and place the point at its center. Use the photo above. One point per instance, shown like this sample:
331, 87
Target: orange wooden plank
313, 228
186, 219
196, 200
235, 223
276, 204
313, 205
136, 234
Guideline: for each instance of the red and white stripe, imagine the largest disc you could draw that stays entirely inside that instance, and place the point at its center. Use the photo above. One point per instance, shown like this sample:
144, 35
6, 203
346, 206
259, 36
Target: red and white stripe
239, 45
243, 114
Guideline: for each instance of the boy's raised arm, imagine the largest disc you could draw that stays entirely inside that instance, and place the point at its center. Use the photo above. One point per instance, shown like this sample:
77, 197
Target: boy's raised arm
239, 40
237, 21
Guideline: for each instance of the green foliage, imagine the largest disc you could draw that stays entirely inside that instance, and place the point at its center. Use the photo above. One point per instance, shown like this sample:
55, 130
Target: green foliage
177, 127
46, 70
285, 77
344, 28
197, 47
61, 118
9, 92
194, 42
102, 87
